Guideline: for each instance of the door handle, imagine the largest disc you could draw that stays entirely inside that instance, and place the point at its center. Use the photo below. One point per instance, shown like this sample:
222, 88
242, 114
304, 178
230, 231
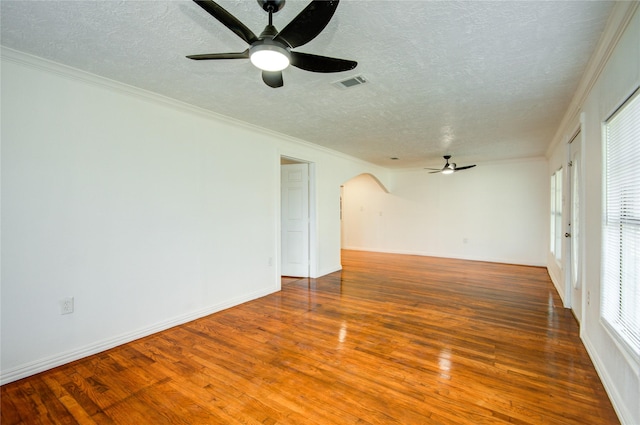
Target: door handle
567, 235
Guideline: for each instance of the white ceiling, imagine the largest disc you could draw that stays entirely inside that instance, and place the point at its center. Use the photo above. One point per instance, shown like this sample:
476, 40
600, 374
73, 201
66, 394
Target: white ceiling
476, 79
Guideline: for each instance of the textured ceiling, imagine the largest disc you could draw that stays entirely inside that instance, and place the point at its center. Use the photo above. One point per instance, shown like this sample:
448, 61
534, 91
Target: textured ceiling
479, 80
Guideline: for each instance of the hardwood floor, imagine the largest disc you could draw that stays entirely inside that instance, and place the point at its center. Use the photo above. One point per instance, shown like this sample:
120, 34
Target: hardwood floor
391, 339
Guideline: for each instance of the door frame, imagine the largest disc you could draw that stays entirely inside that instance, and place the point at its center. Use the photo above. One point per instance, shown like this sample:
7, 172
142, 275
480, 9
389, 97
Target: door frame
574, 297
313, 228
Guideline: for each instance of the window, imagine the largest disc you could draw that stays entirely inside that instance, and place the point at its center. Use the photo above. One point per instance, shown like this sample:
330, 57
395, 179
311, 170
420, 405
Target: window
621, 225
556, 215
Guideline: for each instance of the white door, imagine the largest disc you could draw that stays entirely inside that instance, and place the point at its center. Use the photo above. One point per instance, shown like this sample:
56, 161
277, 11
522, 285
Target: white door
295, 220
573, 229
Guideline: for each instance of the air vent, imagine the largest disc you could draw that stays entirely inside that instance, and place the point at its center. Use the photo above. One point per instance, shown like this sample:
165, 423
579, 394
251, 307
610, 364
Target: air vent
351, 82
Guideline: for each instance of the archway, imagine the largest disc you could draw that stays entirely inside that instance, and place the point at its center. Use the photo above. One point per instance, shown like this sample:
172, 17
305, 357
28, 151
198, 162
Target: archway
361, 207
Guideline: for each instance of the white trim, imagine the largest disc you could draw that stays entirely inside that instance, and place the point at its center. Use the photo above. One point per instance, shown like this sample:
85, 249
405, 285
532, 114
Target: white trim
619, 19
329, 270
498, 260
314, 240
75, 74
627, 352
556, 284
608, 382
635, 89
47, 363
567, 210
582, 249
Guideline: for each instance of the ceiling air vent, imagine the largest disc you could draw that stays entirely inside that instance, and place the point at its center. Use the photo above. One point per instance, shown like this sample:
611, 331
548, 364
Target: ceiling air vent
350, 82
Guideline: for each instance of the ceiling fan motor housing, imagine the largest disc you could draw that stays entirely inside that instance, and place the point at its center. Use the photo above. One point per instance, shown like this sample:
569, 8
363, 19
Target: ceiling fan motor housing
271, 6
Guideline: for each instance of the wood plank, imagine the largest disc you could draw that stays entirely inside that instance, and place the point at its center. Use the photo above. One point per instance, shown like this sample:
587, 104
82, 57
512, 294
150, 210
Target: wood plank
390, 339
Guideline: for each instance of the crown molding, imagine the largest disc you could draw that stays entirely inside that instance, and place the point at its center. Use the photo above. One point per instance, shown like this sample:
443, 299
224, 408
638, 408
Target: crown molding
618, 21
70, 73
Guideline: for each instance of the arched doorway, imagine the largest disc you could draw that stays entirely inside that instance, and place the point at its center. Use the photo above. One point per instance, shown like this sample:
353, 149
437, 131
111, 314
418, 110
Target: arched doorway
361, 209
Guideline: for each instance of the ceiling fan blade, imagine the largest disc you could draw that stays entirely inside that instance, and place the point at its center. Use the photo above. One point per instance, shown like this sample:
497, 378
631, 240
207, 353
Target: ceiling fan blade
435, 172
241, 55
273, 78
228, 20
464, 168
308, 24
315, 63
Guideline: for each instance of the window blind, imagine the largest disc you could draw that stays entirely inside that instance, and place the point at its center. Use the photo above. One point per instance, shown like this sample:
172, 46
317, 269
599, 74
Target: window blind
620, 307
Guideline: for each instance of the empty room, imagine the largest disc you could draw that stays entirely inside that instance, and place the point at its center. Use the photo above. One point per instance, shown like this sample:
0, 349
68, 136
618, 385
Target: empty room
437, 222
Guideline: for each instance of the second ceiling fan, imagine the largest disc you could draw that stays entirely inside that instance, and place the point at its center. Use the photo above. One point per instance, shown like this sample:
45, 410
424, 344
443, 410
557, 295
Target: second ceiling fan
271, 51
449, 168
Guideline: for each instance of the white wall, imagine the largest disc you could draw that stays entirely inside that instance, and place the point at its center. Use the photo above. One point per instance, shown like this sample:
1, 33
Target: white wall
617, 80
493, 212
148, 212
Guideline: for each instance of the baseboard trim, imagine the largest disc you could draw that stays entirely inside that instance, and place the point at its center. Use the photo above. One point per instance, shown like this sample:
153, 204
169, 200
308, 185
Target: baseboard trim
609, 385
41, 365
327, 270
433, 254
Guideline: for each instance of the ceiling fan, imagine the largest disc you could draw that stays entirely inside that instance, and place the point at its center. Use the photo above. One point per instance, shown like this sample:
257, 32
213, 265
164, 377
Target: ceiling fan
271, 51
449, 168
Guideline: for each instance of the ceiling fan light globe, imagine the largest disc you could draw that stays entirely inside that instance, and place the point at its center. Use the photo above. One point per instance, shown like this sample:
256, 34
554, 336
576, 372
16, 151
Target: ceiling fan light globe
447, 171
269, 57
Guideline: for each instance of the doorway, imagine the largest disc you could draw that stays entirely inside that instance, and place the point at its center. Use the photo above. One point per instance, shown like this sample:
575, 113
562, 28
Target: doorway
573, 264
295, 218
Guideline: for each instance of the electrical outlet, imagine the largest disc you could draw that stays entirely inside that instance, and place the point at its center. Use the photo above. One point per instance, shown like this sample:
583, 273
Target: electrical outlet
66, 305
